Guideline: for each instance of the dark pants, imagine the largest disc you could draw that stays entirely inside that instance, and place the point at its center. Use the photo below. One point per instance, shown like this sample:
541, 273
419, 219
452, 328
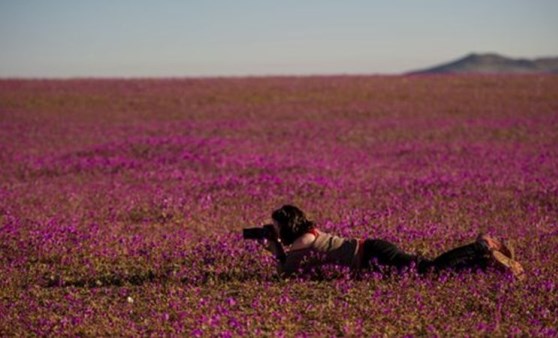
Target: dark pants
378, 252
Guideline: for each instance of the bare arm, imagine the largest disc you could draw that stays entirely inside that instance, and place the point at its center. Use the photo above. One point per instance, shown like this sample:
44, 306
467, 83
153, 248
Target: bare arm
276, 248
296, 258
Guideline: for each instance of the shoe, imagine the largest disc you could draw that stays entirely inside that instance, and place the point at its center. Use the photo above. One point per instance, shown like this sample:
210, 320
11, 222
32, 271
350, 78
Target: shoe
493, 244
509, 264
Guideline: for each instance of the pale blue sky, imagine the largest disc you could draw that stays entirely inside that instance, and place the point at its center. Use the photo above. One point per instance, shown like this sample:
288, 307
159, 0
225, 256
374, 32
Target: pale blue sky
68, 38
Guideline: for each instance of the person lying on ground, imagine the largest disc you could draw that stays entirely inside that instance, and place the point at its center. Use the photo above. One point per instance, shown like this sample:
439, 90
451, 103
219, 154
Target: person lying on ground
299, 246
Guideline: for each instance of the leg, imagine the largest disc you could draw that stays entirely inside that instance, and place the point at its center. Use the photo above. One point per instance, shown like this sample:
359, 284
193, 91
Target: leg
474, 255
385, 253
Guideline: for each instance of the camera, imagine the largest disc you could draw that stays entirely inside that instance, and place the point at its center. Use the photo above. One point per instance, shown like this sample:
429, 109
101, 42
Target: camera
267, 232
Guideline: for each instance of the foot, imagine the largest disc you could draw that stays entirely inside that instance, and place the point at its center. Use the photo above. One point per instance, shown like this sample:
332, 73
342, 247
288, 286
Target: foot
495, 245
509, 264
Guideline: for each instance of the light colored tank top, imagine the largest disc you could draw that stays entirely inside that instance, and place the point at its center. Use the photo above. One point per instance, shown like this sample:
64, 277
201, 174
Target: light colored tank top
326, 249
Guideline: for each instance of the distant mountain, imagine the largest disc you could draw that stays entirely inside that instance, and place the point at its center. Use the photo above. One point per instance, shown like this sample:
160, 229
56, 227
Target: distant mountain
494, 64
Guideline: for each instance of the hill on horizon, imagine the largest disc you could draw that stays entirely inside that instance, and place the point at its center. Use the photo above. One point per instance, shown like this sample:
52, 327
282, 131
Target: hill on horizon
492, 63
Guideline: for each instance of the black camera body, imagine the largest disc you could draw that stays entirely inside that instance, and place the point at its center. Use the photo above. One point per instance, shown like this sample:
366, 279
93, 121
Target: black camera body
265, 232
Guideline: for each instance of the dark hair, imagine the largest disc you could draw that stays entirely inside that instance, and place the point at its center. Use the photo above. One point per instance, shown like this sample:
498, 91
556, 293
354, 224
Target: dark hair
292, 223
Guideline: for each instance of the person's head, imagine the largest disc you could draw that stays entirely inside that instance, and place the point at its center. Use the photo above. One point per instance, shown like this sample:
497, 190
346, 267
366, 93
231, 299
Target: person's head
291, 222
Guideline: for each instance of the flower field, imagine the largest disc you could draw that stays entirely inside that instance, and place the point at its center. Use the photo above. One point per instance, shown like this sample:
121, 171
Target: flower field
122, 203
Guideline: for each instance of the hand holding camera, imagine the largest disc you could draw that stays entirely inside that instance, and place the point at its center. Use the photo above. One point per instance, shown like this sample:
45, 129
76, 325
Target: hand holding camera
267, 232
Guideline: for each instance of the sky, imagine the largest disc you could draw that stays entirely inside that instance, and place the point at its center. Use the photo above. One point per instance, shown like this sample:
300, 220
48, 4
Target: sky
188, 38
